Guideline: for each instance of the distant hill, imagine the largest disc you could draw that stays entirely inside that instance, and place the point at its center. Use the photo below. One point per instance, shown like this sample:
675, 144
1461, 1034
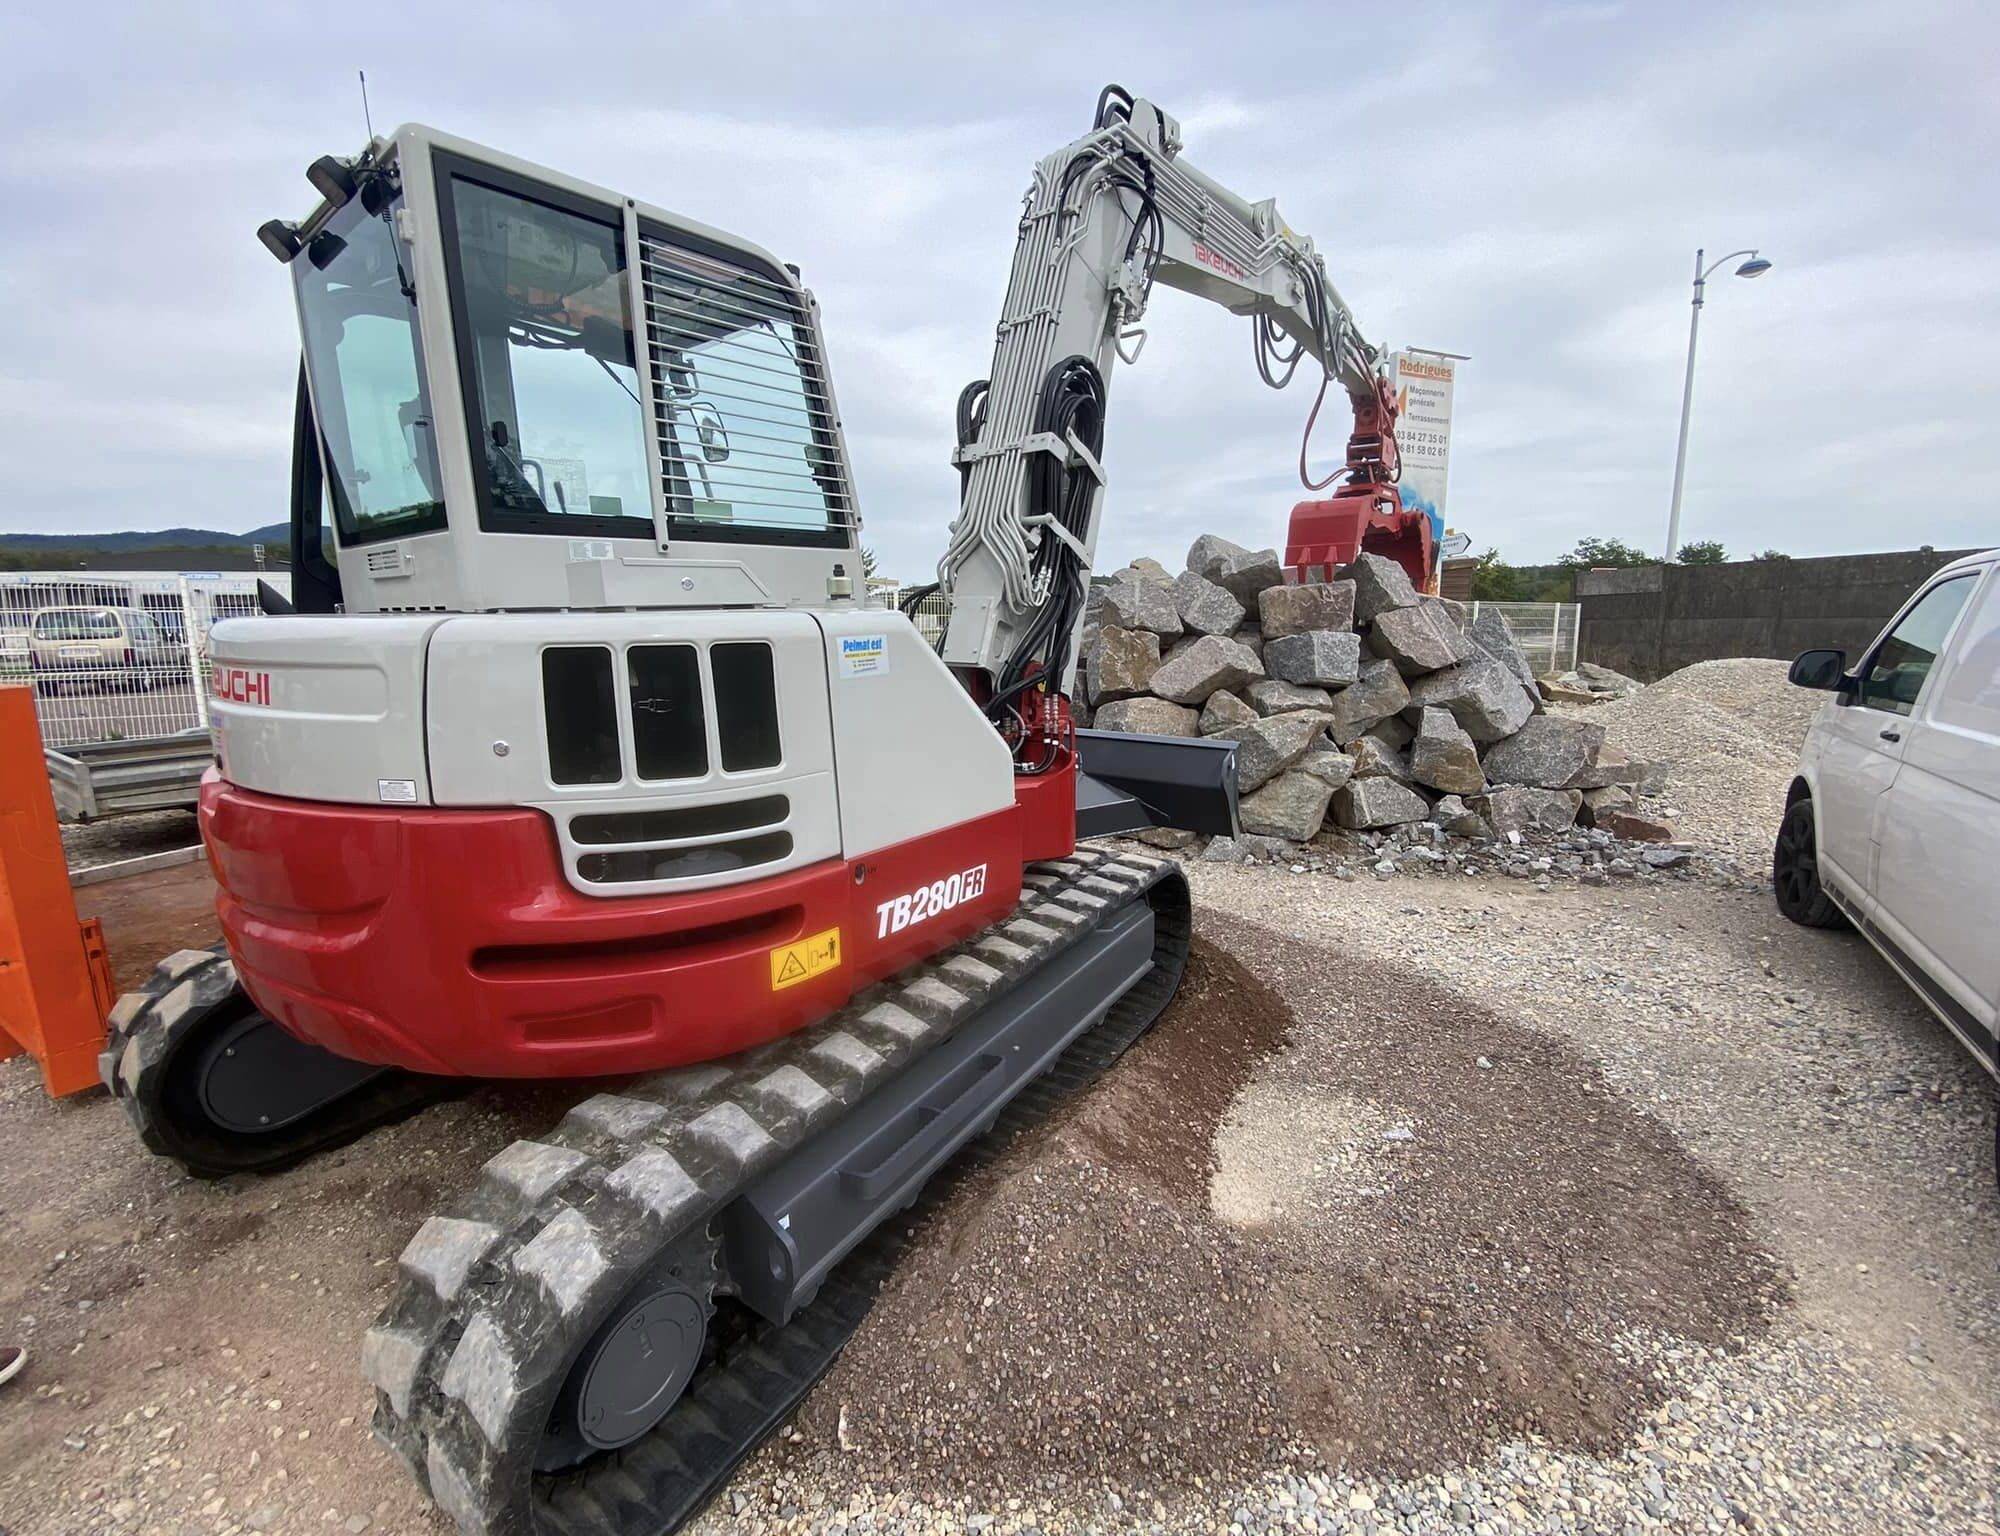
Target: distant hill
162, 538
163, 549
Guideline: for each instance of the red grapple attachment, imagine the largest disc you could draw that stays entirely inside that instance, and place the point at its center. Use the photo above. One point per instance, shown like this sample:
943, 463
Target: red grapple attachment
1365, 513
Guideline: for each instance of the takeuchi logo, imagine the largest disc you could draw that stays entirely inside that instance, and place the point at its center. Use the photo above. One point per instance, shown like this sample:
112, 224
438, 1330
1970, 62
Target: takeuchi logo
1213, 258
239, 685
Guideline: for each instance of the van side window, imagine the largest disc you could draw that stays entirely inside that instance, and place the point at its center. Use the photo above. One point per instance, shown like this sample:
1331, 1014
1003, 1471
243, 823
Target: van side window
1970, 697
1896, 673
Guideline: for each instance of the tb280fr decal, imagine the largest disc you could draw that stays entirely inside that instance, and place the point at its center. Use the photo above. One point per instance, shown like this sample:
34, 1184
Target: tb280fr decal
929, 901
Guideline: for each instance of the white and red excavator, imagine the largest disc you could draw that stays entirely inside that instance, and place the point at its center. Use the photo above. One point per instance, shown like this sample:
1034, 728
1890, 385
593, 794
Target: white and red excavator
579, 753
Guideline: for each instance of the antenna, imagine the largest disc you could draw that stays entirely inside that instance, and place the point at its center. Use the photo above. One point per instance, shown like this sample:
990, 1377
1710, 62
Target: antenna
364, 105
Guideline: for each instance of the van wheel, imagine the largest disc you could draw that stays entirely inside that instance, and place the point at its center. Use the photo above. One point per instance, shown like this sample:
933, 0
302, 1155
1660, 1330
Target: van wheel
1795, 871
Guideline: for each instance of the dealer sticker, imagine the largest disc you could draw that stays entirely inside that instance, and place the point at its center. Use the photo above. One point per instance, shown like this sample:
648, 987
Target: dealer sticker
794, 963
864, 655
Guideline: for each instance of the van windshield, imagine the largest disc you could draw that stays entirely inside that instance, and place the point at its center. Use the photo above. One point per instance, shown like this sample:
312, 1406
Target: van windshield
358, 318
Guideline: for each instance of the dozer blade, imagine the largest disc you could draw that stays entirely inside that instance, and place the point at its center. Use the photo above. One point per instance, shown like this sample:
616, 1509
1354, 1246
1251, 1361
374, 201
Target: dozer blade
616, 1315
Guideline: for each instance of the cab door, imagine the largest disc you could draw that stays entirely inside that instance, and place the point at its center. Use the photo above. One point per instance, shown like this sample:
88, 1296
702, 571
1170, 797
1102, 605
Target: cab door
1938, 867
1864, 734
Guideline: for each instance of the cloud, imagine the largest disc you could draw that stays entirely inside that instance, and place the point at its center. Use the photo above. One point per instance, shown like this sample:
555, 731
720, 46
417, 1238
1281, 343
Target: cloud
1529, 194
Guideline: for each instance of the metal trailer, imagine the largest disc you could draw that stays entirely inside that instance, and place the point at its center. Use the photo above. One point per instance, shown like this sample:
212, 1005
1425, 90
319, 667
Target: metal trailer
96, 779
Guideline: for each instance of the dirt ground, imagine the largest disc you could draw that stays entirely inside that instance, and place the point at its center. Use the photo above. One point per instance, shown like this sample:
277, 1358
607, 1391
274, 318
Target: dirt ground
149, 917
1511, 1226
1506, 1220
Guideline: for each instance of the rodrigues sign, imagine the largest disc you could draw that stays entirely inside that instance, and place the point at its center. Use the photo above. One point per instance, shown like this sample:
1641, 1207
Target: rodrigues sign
1423, 384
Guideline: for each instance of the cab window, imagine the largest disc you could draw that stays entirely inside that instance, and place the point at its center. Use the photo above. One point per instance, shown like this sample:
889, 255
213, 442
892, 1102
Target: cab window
1970, 696
545, 345
1901, 663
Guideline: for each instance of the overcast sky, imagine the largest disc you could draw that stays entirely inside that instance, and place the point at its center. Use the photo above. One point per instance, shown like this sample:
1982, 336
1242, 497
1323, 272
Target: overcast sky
1523, 183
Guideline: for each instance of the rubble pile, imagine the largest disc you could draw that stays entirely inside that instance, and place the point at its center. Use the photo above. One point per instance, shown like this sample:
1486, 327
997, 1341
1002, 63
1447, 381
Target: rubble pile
1370, 720
1589, 683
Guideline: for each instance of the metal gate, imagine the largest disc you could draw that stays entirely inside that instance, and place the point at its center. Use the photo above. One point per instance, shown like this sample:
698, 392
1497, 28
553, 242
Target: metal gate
1546, 632
116, 656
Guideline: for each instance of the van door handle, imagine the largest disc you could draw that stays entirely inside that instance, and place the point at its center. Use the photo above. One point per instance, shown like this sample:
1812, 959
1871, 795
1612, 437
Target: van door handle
1892, 735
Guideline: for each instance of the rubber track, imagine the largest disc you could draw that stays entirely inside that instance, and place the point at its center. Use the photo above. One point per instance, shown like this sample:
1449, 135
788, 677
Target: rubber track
495, 1298
150, 1026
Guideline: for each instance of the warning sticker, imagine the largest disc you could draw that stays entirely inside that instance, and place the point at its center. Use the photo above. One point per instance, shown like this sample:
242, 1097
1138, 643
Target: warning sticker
794, 963
864, 655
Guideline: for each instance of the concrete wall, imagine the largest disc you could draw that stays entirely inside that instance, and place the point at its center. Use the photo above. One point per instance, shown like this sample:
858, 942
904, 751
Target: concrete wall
1655, 619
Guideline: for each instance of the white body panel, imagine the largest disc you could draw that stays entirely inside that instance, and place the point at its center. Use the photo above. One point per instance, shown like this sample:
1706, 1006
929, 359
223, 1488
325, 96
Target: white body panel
915, 753
323, 708
486, 691
1908, 813
879, 742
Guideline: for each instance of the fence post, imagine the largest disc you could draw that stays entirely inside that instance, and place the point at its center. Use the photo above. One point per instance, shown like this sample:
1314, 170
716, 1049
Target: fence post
194, 658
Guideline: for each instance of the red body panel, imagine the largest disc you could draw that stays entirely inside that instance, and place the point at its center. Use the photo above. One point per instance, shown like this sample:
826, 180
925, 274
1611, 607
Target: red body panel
449, 941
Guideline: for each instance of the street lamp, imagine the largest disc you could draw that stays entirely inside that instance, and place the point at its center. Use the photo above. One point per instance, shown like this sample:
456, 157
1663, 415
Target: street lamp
1756, 266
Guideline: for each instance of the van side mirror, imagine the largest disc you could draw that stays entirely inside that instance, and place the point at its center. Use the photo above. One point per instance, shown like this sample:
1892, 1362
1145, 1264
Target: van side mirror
1825, 670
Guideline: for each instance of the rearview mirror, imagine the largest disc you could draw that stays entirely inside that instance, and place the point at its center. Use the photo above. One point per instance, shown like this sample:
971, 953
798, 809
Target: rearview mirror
1825, 670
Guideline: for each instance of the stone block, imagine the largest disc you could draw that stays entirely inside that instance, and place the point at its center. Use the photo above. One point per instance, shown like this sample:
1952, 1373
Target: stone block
1249, 573
1274, 696
1266, 748
1320, 658
1209, 555
1287, 610
1223, 710
1378, 802
1146, 716
1291, 806
1521, 809
1122, 663
1443, 756
1547, 752
1481, 695
1378, 692
1205, 608
1133, 602
1211, 662
1380, 584
1419, 639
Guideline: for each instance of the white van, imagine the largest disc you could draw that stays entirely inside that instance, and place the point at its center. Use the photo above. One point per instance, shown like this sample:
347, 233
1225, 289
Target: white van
1894, 821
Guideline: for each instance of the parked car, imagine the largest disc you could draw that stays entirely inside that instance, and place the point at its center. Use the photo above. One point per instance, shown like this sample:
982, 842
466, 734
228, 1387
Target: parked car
92, 644
1893, 824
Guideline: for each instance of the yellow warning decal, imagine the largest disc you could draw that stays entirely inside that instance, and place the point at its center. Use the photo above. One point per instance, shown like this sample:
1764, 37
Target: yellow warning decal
794, 963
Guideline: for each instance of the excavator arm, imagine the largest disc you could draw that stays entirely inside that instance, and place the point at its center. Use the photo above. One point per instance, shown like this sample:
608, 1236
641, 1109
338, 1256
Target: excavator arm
1106, 218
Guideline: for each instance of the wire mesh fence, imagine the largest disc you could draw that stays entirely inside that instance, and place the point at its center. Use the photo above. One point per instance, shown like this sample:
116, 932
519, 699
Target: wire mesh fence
929, 615
1546, 632
116, 656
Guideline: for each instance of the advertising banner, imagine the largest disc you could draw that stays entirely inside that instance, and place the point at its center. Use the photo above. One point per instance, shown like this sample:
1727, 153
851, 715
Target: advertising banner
1423, 385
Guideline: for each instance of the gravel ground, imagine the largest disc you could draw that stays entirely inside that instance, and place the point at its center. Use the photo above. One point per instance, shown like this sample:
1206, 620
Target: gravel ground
88, 844
1728, 733
1791, 1063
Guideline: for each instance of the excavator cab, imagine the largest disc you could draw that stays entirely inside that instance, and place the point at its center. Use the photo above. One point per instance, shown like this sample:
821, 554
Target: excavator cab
522, 391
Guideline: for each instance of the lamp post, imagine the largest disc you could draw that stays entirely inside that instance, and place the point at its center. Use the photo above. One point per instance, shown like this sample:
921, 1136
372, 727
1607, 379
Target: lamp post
1756, 266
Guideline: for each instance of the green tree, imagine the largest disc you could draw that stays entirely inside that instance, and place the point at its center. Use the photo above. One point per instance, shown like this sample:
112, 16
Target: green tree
1494, 580
1703, 552
869, 564
1770, 554
1592, 553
